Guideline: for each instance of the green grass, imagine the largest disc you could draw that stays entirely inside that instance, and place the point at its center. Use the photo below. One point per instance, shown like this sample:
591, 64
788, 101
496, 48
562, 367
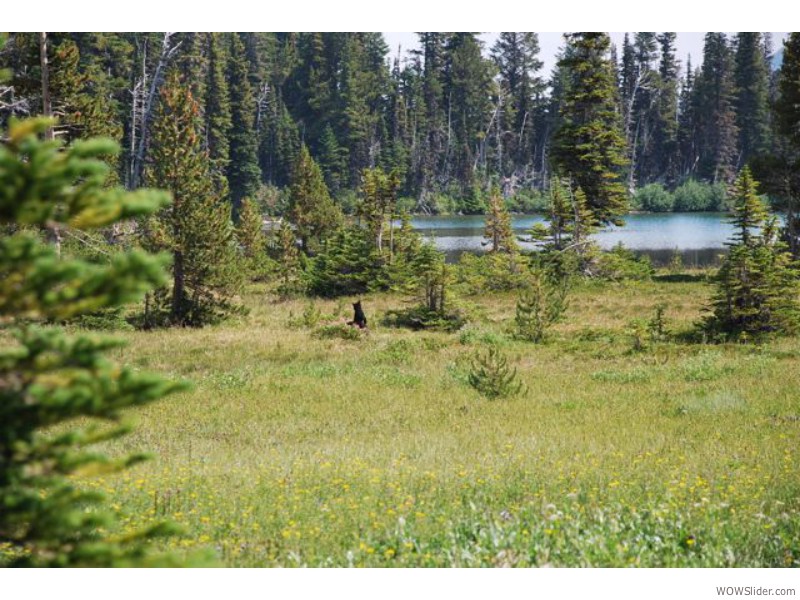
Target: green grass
297, 449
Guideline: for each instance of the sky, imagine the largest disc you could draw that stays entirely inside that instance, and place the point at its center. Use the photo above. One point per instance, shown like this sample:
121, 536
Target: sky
550, 42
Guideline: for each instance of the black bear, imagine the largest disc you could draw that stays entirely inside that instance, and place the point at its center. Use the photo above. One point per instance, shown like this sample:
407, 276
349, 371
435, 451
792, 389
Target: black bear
359, 318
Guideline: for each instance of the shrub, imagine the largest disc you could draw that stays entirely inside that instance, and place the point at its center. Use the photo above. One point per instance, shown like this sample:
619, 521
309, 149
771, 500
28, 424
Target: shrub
694, 195
657, 325
539, 306
654, 198
491, 376
621, 263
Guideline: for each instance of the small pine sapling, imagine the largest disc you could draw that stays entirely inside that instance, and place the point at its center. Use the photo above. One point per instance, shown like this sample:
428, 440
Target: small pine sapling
491, 376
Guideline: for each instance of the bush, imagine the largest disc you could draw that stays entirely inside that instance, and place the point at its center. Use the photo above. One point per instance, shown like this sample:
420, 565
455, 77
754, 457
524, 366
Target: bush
692, 196
654, 198
539, 306
491, 376
490, 272
528, 202
421, 317
621, 263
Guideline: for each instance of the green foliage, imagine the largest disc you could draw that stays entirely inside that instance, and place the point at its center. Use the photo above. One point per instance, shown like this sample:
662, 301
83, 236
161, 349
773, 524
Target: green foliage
311, 209
427, 283
218, 122
621, 263
757, 285
196, 228
252, 241
347, 264
541, 304
47, 379
693, 195
589, 146
244, 173
527, 202
657, 326
491, 376
378, 201
499, 234
287, 256
565, 244
653, 198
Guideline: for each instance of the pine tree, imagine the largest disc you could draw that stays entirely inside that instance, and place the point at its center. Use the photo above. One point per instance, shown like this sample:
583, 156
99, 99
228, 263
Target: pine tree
757, 285
196, 228
311, 208
491, 376
786, 165
48, 379
687, 123
467, 77
251, 239
499, 233
716, 117
516, 57
589, 146
788, 117
244, 174
218, 121
288, 259
751, 79
541, 304
665, 135
333, 160
379, 199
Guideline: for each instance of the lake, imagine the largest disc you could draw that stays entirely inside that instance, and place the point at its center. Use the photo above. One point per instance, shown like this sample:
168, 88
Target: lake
699, 237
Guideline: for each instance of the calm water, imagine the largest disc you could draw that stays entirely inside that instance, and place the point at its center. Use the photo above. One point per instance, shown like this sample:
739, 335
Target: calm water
699, 237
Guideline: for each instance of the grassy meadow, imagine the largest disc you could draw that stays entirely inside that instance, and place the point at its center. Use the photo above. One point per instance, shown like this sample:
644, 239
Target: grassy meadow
296, 450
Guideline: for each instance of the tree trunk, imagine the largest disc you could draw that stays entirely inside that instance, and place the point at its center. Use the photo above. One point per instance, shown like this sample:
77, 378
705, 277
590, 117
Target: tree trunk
178, 308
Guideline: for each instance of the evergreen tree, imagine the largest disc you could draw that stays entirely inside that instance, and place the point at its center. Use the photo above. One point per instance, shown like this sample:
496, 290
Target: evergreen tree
196, 228
757, 285
752, 96
589, 146
715, 111
468, 76
499, 233
288, 259
379, 199
687, 123
48, 380
785, 167
541, 304
516, 57
311, 208
244, 173
788, 116
333, 160
251, 239
665, 134
218, 121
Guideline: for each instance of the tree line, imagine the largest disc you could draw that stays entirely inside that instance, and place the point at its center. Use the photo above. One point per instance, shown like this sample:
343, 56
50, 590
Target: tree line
451, 119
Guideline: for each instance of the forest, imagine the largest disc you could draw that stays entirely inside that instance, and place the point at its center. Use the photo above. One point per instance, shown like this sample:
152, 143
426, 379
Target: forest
225, 343
452, 119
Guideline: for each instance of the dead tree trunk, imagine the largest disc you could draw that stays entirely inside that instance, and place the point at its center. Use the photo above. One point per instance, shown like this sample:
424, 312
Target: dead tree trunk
167, 50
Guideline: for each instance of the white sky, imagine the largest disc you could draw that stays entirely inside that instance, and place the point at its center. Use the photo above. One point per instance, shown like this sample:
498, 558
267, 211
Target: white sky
550, 42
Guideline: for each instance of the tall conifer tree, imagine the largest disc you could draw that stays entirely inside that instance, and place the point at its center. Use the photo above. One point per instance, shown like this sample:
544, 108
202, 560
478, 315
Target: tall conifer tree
589, 146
